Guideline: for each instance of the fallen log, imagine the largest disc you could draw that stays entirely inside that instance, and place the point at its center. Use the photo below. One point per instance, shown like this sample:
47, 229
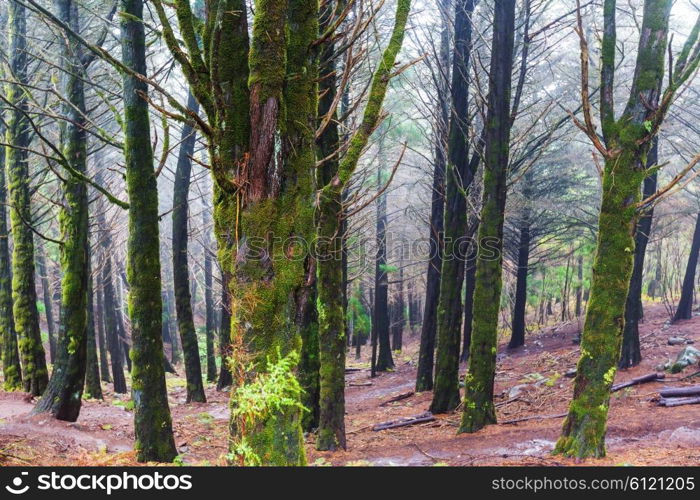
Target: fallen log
353, 370
403, 422
670, 402
650, 377
360, 384
405, 395
693, 390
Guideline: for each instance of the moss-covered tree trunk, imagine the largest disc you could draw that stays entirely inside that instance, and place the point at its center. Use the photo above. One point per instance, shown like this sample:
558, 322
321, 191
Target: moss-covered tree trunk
11, 369
627, 140
478, 408
152, 421
458, 179
517, 336
63, 396
181, 270
225, 379
35, 376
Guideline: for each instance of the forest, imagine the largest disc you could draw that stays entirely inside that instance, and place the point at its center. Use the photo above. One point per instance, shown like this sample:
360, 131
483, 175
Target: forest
349, 232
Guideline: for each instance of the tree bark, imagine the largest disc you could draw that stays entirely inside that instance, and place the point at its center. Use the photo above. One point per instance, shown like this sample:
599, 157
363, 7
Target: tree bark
685, 304
478, 409
152, 421
181, 270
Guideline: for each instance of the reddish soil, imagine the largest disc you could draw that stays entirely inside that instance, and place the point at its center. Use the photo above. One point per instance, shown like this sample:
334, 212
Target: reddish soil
529, 383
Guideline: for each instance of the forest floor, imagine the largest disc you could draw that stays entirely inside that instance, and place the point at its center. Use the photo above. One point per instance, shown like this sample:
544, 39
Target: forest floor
530, 384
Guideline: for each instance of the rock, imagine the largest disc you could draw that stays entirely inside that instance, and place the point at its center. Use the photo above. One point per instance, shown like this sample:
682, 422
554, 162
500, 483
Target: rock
570, 373
682, 436
517, 390
676, 341
688, 356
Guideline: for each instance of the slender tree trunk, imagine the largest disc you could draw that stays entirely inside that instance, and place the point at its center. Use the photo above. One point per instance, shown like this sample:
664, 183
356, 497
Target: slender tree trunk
685, 304
381, 277
579, 286
426, 353
631, 352
458, 177
181, 279
93, 389
478, 398
63, 396
152, 422
100, 328
517, 337
26, 316
112, 330
225, 379
470, 278
46, 295
209, 296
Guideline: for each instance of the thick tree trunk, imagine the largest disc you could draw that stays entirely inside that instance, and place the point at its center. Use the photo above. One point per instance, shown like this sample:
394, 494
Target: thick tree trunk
458, 178
12, 372
181, 279
470, 278
26, 316
628, 140
478, 398
631, 353
152, 422
685, 304
63, 396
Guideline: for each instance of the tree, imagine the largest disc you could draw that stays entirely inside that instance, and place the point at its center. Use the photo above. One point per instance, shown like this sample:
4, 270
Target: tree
93, 389
63, 396
11, 369
181, 270
458, 176
626, 144
478, 386
152, 422
426, 353
685, 303
631, 354
331, 432
26, 316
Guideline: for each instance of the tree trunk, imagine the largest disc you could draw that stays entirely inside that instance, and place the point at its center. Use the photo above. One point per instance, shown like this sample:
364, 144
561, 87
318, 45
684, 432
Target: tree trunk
458, 177
517, 337
685, 304
26, 316
181, 279
225, 379
209, 296
426, 353
470, 278
100, 327
478, 398
93, 389
63, 396
381, 276
152, 422
46, 295
628, 141
111, 321
12, 372
631, 352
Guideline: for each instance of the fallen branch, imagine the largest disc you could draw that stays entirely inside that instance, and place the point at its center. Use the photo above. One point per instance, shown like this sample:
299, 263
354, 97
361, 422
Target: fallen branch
679, 401
690, 376
533, 417
360, 384
405, 395
651, 377
693, 390
403, 422
353, 370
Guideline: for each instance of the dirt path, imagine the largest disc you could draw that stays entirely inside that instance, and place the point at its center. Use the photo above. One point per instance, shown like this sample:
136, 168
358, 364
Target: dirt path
529, 383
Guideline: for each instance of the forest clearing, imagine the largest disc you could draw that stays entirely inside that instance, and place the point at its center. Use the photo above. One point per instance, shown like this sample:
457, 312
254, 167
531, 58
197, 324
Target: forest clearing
639, 432
299, 233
